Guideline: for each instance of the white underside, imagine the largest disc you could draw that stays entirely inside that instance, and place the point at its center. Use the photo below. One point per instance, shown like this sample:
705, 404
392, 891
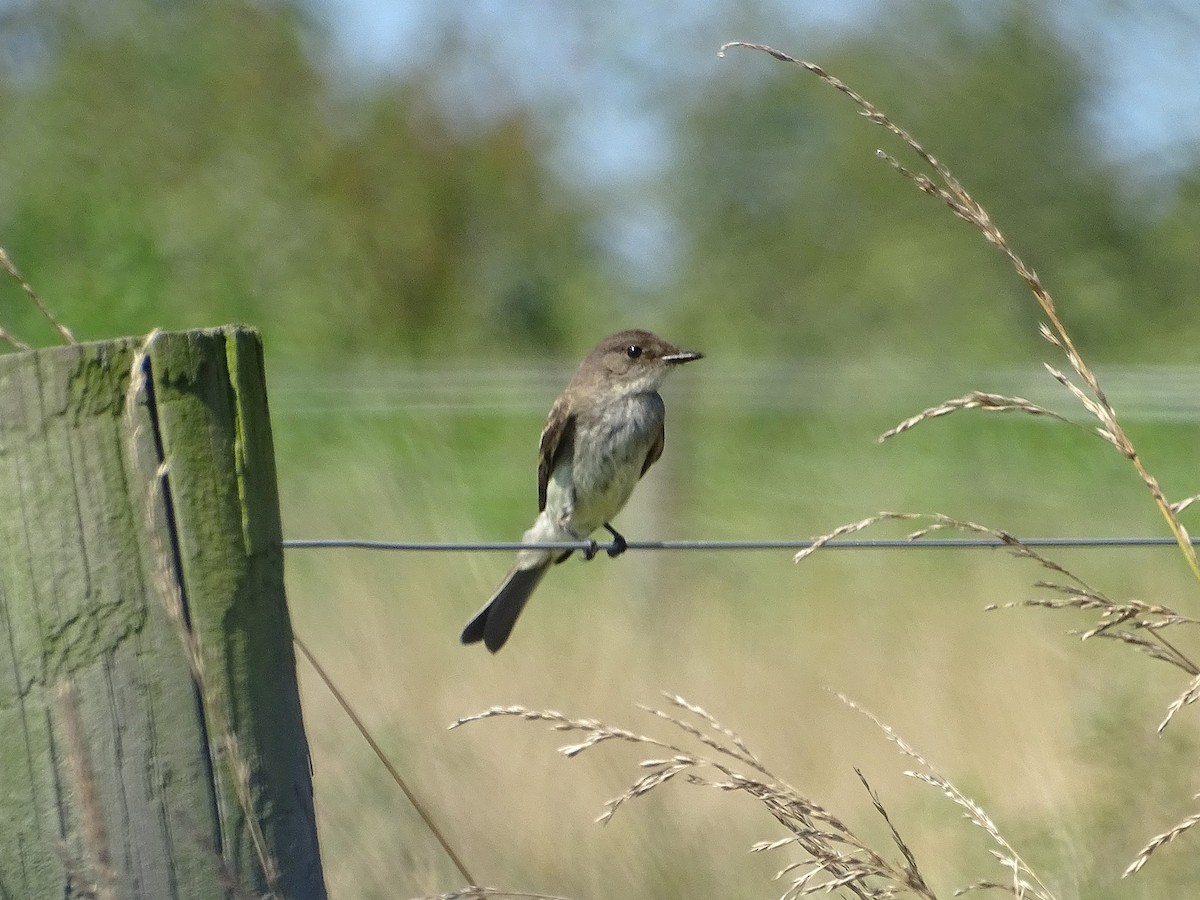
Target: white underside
590, 488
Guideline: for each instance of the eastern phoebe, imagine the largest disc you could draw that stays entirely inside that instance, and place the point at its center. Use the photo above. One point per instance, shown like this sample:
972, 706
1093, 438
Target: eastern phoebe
604, 431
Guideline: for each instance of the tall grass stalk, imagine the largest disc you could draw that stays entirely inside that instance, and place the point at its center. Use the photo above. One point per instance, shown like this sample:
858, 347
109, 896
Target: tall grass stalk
1138, 625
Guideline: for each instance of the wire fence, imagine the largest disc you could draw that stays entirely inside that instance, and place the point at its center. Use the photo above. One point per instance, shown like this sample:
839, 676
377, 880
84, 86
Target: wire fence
847, 544
1148, 393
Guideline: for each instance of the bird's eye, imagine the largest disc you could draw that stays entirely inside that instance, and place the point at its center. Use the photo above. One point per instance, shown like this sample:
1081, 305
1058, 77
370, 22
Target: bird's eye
633, 351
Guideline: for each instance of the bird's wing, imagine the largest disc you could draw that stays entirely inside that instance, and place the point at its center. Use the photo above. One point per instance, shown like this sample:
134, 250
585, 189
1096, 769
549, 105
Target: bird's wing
655, 451
558, 438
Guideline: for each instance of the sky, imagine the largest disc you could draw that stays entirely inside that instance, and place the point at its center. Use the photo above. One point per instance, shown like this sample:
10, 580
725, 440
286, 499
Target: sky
1148, 108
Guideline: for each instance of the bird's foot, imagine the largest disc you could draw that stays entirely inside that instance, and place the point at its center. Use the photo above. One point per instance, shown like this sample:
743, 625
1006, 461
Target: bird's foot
592, 548
619, 545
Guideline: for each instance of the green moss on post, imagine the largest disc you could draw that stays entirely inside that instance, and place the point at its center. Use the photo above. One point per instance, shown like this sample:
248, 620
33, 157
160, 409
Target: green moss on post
122, 773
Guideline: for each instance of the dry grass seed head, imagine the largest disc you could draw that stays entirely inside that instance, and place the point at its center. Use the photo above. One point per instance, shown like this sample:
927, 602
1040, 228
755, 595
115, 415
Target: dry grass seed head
973, 400
951, 192
1025, 881
836, 858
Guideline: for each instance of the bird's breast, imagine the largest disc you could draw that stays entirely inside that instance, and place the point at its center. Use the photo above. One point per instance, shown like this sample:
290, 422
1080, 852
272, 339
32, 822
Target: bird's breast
610, 448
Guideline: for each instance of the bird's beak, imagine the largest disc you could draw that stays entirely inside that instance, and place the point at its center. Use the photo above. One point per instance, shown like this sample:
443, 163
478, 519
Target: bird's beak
682, 356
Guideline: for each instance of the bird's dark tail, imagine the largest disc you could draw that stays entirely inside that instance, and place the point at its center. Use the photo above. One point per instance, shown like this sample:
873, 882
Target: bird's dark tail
494, 623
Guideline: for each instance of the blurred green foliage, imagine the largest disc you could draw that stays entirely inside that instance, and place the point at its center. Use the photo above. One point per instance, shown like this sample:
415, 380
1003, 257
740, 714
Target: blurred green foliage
188, 164
819, 247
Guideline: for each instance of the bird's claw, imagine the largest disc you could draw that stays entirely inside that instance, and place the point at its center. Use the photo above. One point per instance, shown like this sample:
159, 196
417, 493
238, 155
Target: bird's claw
619, 544
592, 548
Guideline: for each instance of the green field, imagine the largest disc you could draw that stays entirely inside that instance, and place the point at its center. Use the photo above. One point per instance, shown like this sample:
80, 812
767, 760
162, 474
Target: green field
1055, 738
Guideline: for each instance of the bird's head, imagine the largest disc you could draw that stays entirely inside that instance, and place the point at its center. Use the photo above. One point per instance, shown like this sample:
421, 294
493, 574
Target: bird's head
632, 362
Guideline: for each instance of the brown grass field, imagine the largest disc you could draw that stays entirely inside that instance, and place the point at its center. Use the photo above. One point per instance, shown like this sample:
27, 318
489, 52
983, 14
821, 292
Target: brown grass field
1055, 737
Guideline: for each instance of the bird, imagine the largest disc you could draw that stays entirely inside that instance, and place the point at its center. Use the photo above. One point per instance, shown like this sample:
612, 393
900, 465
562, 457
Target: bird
602, 434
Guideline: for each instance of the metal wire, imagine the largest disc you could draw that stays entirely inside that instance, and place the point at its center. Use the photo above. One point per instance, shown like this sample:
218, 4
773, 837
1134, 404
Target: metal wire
850, 544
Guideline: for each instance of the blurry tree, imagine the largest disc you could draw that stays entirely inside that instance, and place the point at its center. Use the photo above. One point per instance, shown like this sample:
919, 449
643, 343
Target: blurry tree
180, 165
817, 247
187, 164
1170, 266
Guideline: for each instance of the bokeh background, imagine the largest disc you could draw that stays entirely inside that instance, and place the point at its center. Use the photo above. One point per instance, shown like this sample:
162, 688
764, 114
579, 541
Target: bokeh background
432, 209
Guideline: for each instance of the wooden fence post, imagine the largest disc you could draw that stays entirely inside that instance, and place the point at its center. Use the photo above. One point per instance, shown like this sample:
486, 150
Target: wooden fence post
151, 741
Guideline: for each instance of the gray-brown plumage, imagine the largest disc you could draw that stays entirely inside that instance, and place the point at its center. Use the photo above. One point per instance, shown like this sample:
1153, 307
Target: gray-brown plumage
603, 432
